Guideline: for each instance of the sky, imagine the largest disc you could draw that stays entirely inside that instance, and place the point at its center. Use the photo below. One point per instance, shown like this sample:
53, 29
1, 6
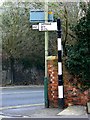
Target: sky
1, 1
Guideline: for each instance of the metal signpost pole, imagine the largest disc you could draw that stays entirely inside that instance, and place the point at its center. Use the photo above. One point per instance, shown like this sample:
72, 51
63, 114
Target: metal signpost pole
46, 38
60, 81
50, 26
46, 54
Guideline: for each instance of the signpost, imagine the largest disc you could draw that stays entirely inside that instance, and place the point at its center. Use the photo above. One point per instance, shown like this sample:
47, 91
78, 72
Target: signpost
48, 26
60, 81
46, 55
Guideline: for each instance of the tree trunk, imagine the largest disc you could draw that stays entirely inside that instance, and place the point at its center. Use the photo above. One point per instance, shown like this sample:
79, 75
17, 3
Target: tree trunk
12, 70
66, 33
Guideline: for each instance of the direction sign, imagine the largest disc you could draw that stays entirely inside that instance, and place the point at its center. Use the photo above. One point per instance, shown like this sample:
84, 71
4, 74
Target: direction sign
48, 26
35, 27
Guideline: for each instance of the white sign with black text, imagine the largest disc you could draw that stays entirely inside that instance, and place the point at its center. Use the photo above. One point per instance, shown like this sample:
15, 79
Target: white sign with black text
35, 27
48, 26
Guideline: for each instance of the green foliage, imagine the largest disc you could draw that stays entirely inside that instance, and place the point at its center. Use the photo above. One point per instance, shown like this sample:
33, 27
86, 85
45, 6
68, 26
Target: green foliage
78, 60
19, 40
26, 46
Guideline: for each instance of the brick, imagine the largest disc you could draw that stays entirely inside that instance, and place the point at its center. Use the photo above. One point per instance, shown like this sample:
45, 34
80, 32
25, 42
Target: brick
85, 92
72, 95
54, 84
69, 89
53, 89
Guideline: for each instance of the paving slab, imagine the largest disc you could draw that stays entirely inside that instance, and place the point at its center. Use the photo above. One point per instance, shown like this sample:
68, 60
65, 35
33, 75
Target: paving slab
73, 110
46, 113
70, 112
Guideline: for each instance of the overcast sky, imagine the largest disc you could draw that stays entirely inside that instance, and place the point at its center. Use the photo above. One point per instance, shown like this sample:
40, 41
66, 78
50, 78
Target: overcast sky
1, 1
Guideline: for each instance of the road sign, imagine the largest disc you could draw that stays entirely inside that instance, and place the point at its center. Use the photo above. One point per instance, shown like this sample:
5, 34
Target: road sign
49, 26
38, 15
35, 27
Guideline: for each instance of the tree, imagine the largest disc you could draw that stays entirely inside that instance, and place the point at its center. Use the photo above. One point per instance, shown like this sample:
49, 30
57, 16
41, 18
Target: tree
20, 42
78, 61
25, 45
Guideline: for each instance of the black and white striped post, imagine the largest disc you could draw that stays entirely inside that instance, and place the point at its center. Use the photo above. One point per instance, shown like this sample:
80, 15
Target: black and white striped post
60, 80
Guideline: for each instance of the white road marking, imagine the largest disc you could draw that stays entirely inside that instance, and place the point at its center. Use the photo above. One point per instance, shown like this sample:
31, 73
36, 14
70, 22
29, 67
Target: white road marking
21, 106
21, 92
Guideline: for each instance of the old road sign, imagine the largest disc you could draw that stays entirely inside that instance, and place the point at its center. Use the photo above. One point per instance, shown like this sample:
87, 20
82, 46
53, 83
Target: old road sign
48, 26
35, 27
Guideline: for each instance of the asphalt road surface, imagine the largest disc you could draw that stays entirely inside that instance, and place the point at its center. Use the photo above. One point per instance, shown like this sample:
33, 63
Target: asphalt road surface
25, 102
21, 101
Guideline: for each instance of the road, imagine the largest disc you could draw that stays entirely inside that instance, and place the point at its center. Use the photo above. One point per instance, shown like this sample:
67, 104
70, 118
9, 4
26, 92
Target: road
25, 102
21, 101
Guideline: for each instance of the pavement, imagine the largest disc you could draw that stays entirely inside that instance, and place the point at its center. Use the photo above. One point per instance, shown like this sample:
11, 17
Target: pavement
69, 112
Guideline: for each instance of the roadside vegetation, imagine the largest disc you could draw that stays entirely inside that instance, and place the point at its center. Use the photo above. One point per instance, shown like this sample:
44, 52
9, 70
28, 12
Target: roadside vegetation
23, 48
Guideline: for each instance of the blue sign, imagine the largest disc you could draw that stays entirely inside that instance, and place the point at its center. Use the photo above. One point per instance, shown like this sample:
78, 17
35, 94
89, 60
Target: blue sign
39, 16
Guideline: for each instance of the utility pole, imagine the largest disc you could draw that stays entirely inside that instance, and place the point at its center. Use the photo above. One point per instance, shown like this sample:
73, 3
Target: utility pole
46, 54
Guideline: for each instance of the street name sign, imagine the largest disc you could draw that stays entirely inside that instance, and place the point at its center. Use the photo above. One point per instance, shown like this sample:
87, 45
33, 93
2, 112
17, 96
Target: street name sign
48, 26
35, 27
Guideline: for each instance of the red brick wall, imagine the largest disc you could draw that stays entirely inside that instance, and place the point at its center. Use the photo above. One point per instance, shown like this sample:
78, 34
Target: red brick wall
52, 83
73, 95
